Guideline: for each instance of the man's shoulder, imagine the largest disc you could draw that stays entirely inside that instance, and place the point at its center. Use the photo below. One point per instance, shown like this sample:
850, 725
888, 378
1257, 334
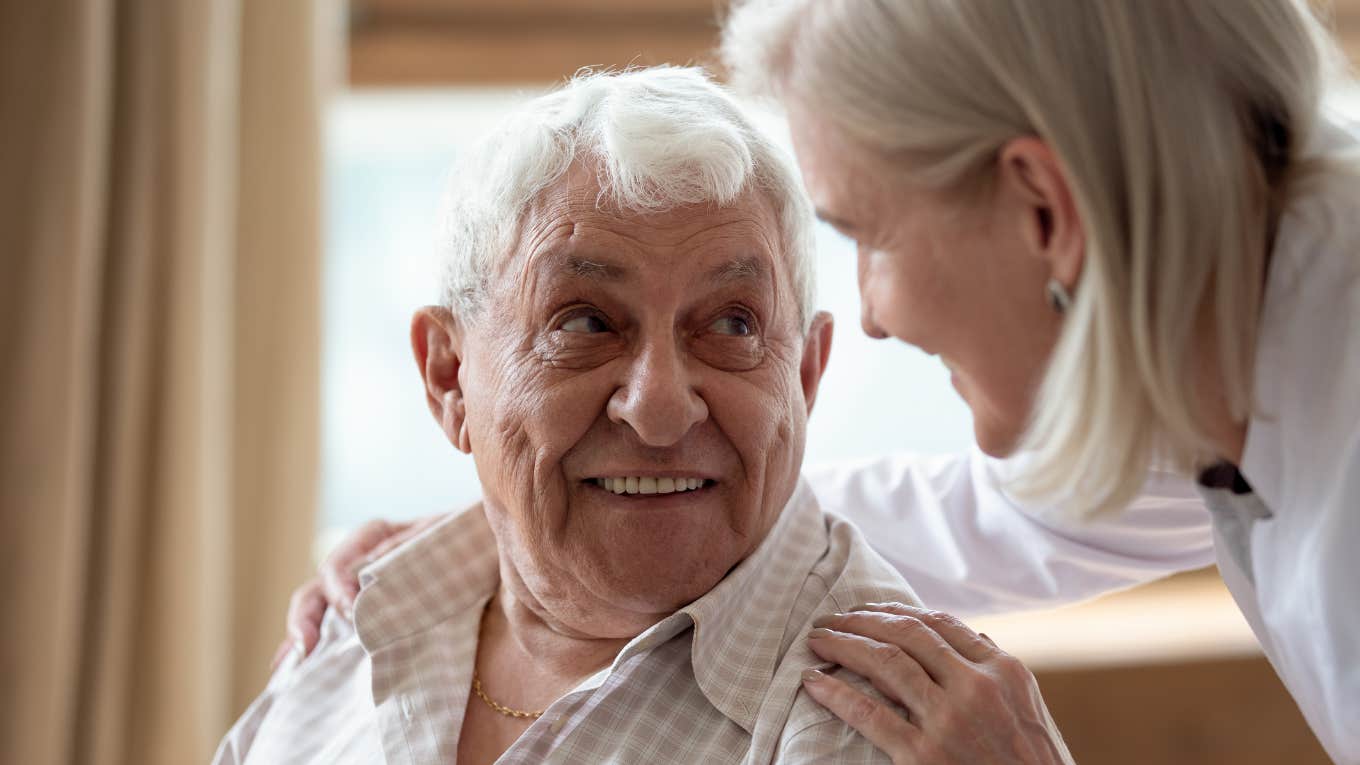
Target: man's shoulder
815, 735
853, 573
848, 573
314, 708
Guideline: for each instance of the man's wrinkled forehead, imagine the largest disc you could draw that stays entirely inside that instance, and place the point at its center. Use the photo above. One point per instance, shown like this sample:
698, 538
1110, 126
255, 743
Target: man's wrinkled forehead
566, 264
567, 233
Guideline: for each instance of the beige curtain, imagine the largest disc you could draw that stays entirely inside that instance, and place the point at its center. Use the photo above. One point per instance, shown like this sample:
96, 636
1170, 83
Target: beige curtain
159, 377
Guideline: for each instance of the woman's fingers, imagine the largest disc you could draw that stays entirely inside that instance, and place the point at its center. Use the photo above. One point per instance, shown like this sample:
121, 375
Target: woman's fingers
340, 571
288, 644
401, 532
912, 635
969, 644
338, 581
894, 672
876, 721
305, 611
968, 700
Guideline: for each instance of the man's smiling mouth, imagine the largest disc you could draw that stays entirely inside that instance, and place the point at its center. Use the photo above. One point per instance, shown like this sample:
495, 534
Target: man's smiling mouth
649, 484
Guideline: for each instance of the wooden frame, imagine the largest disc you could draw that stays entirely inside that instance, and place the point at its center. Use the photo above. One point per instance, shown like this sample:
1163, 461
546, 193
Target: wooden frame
499, 42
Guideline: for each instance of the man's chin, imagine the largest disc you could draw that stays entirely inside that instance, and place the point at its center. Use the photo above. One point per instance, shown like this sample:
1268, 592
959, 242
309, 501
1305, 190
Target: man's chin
660, 586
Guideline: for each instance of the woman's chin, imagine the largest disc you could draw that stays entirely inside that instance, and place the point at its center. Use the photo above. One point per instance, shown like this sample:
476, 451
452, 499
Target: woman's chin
994, 439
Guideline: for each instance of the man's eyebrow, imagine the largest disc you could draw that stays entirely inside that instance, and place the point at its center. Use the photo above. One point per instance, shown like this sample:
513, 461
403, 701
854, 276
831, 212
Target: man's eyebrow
591, 269
738, 269
745, 268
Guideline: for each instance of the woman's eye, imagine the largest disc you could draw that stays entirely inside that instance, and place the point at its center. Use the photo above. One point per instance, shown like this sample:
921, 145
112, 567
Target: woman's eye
731, 325
588, 324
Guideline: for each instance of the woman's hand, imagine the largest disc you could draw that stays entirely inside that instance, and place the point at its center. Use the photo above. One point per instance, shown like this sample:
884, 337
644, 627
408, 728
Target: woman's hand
337, 584
967, 701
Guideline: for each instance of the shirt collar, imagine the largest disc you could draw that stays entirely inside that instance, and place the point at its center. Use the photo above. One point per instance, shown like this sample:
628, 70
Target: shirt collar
449, 569
455, 563
733, 672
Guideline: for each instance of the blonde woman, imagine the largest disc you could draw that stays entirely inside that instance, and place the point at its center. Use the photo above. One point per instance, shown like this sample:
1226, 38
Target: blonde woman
1132, 234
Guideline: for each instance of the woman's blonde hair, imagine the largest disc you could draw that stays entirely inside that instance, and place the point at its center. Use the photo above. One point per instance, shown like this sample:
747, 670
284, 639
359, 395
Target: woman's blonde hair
1181, 125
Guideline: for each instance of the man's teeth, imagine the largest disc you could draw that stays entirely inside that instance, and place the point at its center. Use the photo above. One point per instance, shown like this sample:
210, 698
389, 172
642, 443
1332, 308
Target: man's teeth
648, 485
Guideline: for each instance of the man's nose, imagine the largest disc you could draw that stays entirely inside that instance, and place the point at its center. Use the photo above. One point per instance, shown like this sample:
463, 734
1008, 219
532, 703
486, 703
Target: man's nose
658, 400
866, 307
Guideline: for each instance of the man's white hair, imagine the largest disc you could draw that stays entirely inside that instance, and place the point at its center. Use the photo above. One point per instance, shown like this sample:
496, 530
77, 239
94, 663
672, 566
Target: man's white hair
659, 138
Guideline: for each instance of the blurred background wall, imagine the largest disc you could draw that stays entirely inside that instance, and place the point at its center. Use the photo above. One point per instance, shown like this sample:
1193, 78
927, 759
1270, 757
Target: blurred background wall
217, 218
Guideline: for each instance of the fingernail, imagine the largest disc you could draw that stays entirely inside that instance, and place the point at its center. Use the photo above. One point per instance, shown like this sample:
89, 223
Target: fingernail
820, 632
825, 621
885, 607
812, 675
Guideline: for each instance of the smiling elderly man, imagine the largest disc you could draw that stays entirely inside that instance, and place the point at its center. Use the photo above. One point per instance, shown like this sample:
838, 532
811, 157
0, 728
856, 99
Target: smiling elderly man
627, 347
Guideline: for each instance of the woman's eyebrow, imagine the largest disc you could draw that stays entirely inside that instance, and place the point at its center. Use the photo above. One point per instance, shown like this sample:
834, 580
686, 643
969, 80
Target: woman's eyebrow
838, 222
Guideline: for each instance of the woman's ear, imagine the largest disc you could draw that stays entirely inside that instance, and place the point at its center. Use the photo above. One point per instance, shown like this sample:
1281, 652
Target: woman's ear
437, 341
1030, 172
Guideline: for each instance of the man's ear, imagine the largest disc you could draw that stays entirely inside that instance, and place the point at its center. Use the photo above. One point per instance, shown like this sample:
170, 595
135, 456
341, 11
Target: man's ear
437, 341
816, 352
1051, 227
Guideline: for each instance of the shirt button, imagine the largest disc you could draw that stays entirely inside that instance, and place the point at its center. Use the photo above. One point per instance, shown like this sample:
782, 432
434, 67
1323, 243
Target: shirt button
557, 724
406, 709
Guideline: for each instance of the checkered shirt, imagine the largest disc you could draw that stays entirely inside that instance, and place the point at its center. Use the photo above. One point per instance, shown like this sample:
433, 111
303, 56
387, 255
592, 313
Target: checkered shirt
718, 681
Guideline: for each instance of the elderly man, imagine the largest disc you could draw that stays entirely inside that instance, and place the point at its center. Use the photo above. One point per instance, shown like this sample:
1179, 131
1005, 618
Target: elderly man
628, 349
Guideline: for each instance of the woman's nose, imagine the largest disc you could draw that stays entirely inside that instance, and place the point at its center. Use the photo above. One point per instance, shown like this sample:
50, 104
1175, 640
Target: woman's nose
866, 304
866, 321
658, 400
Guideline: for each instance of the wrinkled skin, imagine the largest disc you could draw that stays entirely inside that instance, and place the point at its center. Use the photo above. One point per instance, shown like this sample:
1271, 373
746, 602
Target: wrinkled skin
615, 344
967, 701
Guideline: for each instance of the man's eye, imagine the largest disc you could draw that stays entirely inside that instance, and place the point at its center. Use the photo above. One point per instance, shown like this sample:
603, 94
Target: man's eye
731, 325
588, 324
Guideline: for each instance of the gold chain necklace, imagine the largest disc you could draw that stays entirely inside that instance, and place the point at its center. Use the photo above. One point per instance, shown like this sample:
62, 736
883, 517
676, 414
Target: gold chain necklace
500, 708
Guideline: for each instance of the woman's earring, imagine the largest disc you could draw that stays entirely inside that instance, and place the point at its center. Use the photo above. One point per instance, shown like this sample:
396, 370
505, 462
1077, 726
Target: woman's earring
1058, 296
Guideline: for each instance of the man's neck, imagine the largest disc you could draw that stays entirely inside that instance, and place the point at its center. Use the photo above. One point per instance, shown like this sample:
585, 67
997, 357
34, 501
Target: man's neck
522, 627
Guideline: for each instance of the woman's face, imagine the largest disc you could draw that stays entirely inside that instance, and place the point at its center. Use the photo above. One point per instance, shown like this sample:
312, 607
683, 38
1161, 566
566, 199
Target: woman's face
961, 278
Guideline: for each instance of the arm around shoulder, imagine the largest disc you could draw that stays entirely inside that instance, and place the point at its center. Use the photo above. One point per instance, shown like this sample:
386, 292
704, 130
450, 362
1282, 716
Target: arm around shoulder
948, 524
